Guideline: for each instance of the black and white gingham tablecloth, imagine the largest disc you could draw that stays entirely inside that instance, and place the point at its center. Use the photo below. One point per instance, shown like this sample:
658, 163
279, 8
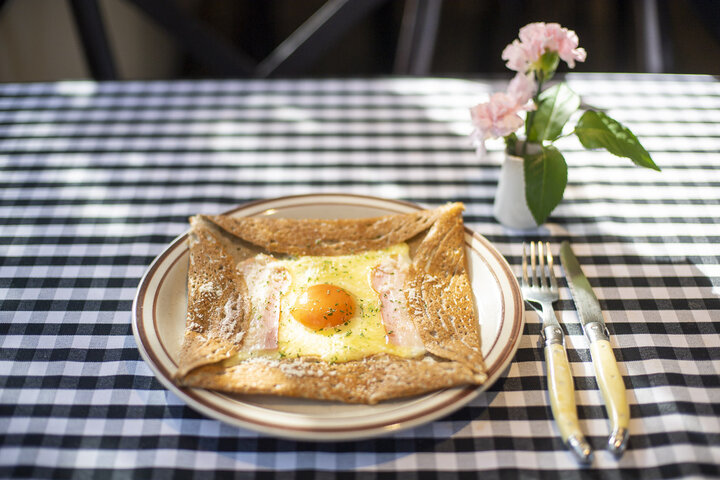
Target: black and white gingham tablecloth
97, 178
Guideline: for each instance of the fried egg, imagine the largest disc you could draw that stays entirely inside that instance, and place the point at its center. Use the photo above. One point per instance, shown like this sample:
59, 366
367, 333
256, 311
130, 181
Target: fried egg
336, 308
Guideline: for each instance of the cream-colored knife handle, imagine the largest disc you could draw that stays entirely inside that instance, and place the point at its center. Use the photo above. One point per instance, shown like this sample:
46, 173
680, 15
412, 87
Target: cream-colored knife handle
562, 401
613, 392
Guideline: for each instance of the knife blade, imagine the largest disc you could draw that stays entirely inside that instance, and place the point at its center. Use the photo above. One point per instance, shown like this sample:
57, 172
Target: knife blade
606, 370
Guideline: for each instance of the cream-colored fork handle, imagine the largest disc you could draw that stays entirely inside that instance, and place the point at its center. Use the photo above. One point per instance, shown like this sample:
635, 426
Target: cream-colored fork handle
613, 391
562, 401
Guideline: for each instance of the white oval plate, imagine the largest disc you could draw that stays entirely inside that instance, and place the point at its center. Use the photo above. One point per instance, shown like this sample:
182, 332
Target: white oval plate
159, 323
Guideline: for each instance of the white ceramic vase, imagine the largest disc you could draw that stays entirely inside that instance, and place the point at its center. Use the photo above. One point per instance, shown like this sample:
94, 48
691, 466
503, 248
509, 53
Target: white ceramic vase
510, 208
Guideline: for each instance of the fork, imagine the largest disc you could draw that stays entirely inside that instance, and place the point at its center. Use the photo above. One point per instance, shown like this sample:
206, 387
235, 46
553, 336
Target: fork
540, 290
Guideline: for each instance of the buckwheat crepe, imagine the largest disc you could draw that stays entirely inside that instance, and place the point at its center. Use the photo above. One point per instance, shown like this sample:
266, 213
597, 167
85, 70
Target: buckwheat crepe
437, 290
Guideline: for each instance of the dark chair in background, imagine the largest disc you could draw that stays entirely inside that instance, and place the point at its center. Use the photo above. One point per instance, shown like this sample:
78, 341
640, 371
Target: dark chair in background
268, 38
416, 39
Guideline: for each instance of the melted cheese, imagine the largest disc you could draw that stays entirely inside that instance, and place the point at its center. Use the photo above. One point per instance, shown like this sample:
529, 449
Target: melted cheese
361, 336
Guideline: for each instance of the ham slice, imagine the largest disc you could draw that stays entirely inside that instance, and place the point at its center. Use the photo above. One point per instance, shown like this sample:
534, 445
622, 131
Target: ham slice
267, 281
388, 279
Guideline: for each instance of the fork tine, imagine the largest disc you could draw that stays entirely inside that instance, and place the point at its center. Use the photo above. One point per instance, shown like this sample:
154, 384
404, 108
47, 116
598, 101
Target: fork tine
553, 280
541, 266
524, 266
532, 264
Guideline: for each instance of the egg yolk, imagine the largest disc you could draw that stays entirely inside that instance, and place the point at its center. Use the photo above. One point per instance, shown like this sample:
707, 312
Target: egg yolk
322, 306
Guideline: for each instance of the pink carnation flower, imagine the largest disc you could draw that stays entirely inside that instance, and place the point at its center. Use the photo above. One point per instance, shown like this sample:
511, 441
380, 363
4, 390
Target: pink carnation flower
565, 43
496, 118
522, 88
537, 38
499, 117
516, 58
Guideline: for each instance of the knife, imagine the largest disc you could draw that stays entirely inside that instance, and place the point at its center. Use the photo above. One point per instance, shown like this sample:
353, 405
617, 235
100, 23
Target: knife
606, 369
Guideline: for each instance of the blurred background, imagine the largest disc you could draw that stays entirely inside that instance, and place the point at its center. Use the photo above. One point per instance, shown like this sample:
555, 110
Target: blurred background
41, 40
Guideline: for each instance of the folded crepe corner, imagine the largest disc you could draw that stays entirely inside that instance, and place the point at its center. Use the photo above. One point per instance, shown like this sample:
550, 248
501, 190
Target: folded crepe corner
438, 293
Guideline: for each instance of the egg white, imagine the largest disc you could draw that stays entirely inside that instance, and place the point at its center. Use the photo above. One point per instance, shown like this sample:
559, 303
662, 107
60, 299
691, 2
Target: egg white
360, 336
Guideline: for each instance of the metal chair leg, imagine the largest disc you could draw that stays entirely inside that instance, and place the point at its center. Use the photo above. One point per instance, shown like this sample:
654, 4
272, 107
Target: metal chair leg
94, 39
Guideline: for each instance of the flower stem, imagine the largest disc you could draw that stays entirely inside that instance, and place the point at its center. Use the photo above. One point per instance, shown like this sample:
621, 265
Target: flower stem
565, 135
531, 114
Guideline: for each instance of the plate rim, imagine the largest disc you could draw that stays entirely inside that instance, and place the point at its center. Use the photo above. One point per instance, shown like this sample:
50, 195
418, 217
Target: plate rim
194, 397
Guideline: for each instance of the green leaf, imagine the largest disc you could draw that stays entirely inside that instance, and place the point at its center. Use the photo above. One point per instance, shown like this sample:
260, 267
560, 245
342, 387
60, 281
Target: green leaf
555, 106
597, 130
545, 180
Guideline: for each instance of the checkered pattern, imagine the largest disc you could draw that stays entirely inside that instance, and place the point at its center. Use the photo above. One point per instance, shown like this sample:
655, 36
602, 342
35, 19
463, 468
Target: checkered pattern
96, 179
